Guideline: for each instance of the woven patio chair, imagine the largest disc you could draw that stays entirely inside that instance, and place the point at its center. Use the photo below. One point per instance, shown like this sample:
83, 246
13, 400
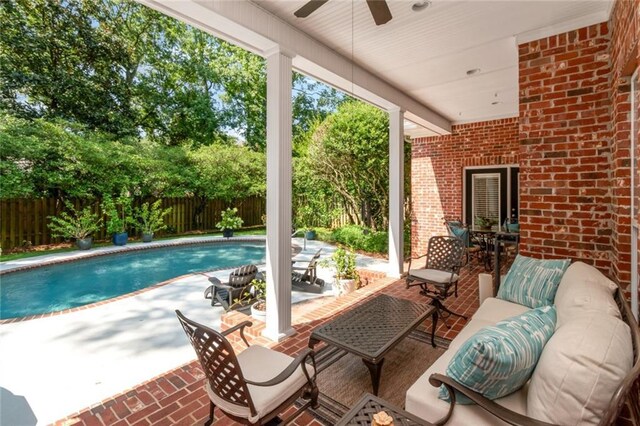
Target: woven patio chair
239, 282
473, 247
439, 278
256, 385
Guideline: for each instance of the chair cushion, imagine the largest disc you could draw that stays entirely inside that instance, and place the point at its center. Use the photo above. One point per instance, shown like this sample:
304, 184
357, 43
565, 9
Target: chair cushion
533, 282
433, 275
498, 360
422, 400
494, 310
261, 364
582, 365
584, 290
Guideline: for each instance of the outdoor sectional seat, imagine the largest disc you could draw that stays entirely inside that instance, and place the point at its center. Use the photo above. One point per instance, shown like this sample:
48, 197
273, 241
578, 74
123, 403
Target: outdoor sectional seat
577, 300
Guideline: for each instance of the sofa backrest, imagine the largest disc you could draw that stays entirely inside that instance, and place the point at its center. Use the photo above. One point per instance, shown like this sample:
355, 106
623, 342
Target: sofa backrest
629, 390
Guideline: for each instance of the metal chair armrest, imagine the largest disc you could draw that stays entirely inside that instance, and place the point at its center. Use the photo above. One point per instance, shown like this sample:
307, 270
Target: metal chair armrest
416, 258
291, 368
486, 404
240, 327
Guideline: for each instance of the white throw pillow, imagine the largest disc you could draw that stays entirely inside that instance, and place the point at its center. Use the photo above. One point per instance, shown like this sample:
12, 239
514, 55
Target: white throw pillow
584, 290
581, 367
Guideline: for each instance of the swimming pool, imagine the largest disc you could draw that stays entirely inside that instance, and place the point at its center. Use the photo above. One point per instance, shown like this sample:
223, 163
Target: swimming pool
67, 285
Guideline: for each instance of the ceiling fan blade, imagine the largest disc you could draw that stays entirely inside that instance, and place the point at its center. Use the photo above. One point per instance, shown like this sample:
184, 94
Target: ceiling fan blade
380, 11
309, 8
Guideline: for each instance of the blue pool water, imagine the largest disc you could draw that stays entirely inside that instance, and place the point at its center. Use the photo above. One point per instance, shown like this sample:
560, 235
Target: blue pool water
67, 285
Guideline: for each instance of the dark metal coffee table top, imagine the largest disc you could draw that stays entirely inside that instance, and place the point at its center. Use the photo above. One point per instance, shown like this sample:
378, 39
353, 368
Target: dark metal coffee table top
362, 413
372, 329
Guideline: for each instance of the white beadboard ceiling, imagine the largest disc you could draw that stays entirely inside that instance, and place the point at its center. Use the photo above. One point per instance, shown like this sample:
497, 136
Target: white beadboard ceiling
426, 54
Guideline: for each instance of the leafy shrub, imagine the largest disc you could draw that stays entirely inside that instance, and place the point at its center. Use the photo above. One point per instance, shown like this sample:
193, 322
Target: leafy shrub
151, 217
230, 219
75, 224
359, 238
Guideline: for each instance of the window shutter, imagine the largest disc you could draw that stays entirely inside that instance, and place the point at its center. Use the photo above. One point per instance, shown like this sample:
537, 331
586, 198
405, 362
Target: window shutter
486, 196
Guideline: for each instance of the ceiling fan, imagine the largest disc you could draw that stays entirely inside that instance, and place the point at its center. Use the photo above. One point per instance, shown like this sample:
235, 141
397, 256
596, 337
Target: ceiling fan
379, 10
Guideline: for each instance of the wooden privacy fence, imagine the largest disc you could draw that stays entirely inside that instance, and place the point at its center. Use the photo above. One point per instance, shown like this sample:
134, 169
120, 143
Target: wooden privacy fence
24, 221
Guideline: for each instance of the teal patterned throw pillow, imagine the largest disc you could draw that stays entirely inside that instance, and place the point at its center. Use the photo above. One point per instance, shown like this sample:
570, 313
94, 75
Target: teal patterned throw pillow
499, 360
533, 282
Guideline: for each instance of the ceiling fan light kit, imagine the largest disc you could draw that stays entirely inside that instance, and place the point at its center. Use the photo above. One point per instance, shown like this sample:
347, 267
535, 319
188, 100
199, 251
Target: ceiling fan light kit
378, 8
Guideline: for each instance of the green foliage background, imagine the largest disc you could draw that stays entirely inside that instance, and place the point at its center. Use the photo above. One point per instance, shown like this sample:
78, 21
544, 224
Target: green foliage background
101, 96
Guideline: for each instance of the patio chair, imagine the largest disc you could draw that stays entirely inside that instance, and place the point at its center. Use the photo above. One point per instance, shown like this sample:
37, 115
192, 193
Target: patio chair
239, 282
473, 248
440, 273
308, 270
257, 384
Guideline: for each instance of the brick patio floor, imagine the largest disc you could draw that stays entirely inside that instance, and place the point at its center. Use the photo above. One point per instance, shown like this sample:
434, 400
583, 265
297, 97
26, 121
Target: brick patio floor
178, 398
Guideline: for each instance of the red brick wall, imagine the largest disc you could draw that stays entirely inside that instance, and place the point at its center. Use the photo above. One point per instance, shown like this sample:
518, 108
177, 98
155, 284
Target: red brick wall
565, 135
437, 171
625, 33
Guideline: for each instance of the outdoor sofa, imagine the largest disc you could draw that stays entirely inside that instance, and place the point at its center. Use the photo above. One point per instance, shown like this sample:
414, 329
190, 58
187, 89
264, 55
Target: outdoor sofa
588, 369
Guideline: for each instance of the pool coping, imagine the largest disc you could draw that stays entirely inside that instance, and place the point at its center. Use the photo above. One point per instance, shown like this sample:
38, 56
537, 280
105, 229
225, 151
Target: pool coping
111, 250
214, 240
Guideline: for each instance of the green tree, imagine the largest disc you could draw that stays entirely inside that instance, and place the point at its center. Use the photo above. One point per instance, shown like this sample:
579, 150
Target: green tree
349, 152
228, 172
58, 159
55, 63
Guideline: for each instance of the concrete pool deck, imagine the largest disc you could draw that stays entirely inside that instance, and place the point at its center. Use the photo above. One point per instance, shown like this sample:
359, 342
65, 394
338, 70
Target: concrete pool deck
64, 363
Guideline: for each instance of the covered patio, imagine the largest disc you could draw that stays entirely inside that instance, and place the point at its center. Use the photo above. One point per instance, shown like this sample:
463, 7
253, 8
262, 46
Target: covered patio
536, 97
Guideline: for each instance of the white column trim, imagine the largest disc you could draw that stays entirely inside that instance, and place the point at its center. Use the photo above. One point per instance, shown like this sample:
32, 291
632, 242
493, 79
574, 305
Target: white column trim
396, 192
279, 171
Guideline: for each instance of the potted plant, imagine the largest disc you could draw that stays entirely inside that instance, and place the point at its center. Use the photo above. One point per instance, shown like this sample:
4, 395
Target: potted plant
346, 278
483, 222
76, 224
119, 216
229, 221
258, 294
150, 219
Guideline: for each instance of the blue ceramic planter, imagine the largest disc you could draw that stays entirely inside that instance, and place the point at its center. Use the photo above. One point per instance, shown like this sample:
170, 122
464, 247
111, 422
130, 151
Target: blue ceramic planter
120, 239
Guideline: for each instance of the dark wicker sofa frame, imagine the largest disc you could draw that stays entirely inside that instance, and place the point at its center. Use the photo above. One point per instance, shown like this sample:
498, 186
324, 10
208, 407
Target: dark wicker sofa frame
627, 393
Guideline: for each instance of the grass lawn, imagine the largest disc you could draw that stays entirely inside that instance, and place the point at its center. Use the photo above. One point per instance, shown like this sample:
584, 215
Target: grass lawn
66, 247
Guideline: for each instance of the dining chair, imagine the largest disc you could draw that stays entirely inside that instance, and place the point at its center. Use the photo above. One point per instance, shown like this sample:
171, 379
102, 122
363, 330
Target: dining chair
439, 278
256, 385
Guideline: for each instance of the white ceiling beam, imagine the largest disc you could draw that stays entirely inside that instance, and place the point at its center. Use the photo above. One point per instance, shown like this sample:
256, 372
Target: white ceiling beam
243, 23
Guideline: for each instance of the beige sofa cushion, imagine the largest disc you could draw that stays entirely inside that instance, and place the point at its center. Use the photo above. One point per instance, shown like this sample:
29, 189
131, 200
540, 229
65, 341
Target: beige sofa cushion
422, 399
494, 310
584, 290
579, 370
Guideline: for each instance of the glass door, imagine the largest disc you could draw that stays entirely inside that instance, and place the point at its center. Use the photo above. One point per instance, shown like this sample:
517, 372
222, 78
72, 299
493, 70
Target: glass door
635, 190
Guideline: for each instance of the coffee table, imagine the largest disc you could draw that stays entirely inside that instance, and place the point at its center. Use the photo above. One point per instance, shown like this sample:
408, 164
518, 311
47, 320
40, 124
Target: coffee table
362, 413
372, 329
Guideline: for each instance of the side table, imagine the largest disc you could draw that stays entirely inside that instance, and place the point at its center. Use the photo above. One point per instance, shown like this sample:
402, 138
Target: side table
362, 413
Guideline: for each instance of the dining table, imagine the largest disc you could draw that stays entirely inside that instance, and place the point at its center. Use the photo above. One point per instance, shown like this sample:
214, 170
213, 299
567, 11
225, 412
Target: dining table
485, 237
